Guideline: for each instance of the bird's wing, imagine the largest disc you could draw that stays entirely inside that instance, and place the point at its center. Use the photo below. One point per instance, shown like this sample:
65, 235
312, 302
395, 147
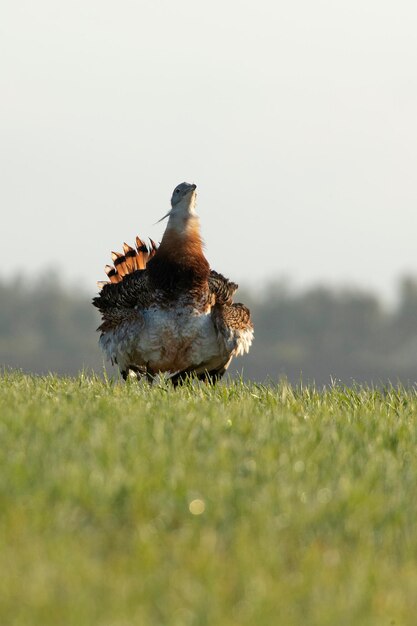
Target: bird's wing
120, 301
222, 288
234, 326
132, 292
232, 322
234, 329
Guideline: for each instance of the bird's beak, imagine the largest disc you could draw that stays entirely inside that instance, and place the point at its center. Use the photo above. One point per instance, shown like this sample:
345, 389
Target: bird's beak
162, 218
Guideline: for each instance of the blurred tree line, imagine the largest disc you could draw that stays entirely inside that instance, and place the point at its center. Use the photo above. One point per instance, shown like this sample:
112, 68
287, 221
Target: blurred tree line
316, 335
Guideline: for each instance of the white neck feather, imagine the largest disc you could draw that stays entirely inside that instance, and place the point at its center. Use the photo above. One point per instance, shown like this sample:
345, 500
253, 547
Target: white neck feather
183, 215
181, 223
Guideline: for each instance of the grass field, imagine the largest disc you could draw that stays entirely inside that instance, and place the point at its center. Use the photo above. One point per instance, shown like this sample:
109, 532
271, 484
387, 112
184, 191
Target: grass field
240, 505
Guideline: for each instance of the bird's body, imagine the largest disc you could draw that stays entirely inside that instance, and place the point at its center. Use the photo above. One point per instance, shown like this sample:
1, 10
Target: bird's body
164, 310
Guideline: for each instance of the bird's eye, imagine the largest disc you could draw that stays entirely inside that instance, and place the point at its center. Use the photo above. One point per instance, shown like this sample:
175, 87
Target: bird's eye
177, 191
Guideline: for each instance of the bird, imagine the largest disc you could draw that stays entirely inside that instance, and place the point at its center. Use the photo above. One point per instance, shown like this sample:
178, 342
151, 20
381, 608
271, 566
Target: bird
165, 311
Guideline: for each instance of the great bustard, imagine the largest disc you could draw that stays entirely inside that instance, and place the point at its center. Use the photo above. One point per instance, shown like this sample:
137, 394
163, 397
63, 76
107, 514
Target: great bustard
165, 310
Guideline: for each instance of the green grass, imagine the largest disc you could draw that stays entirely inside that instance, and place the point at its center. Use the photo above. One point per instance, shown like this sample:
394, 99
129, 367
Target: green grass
309, 498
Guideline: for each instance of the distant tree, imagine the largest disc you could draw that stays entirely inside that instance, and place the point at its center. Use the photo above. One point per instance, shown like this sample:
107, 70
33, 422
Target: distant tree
318, 334
44, 327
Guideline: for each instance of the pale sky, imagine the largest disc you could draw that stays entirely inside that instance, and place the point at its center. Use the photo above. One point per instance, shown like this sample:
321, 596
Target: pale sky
296, 120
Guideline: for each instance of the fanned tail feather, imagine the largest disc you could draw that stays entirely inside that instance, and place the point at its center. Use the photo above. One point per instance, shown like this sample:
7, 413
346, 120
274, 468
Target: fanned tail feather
129, 261
130, 258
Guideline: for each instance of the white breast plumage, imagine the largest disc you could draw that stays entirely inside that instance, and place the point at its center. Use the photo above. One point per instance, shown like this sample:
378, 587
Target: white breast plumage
165, 340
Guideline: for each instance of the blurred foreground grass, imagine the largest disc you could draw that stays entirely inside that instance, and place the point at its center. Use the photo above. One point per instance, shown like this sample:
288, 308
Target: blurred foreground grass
123, 505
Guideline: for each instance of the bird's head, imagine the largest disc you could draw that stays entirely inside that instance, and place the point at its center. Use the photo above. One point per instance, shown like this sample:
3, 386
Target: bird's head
184, 194
183, 202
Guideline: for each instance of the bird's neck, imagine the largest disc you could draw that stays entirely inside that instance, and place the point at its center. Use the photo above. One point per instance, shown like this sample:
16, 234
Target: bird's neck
184, 229
180, 261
